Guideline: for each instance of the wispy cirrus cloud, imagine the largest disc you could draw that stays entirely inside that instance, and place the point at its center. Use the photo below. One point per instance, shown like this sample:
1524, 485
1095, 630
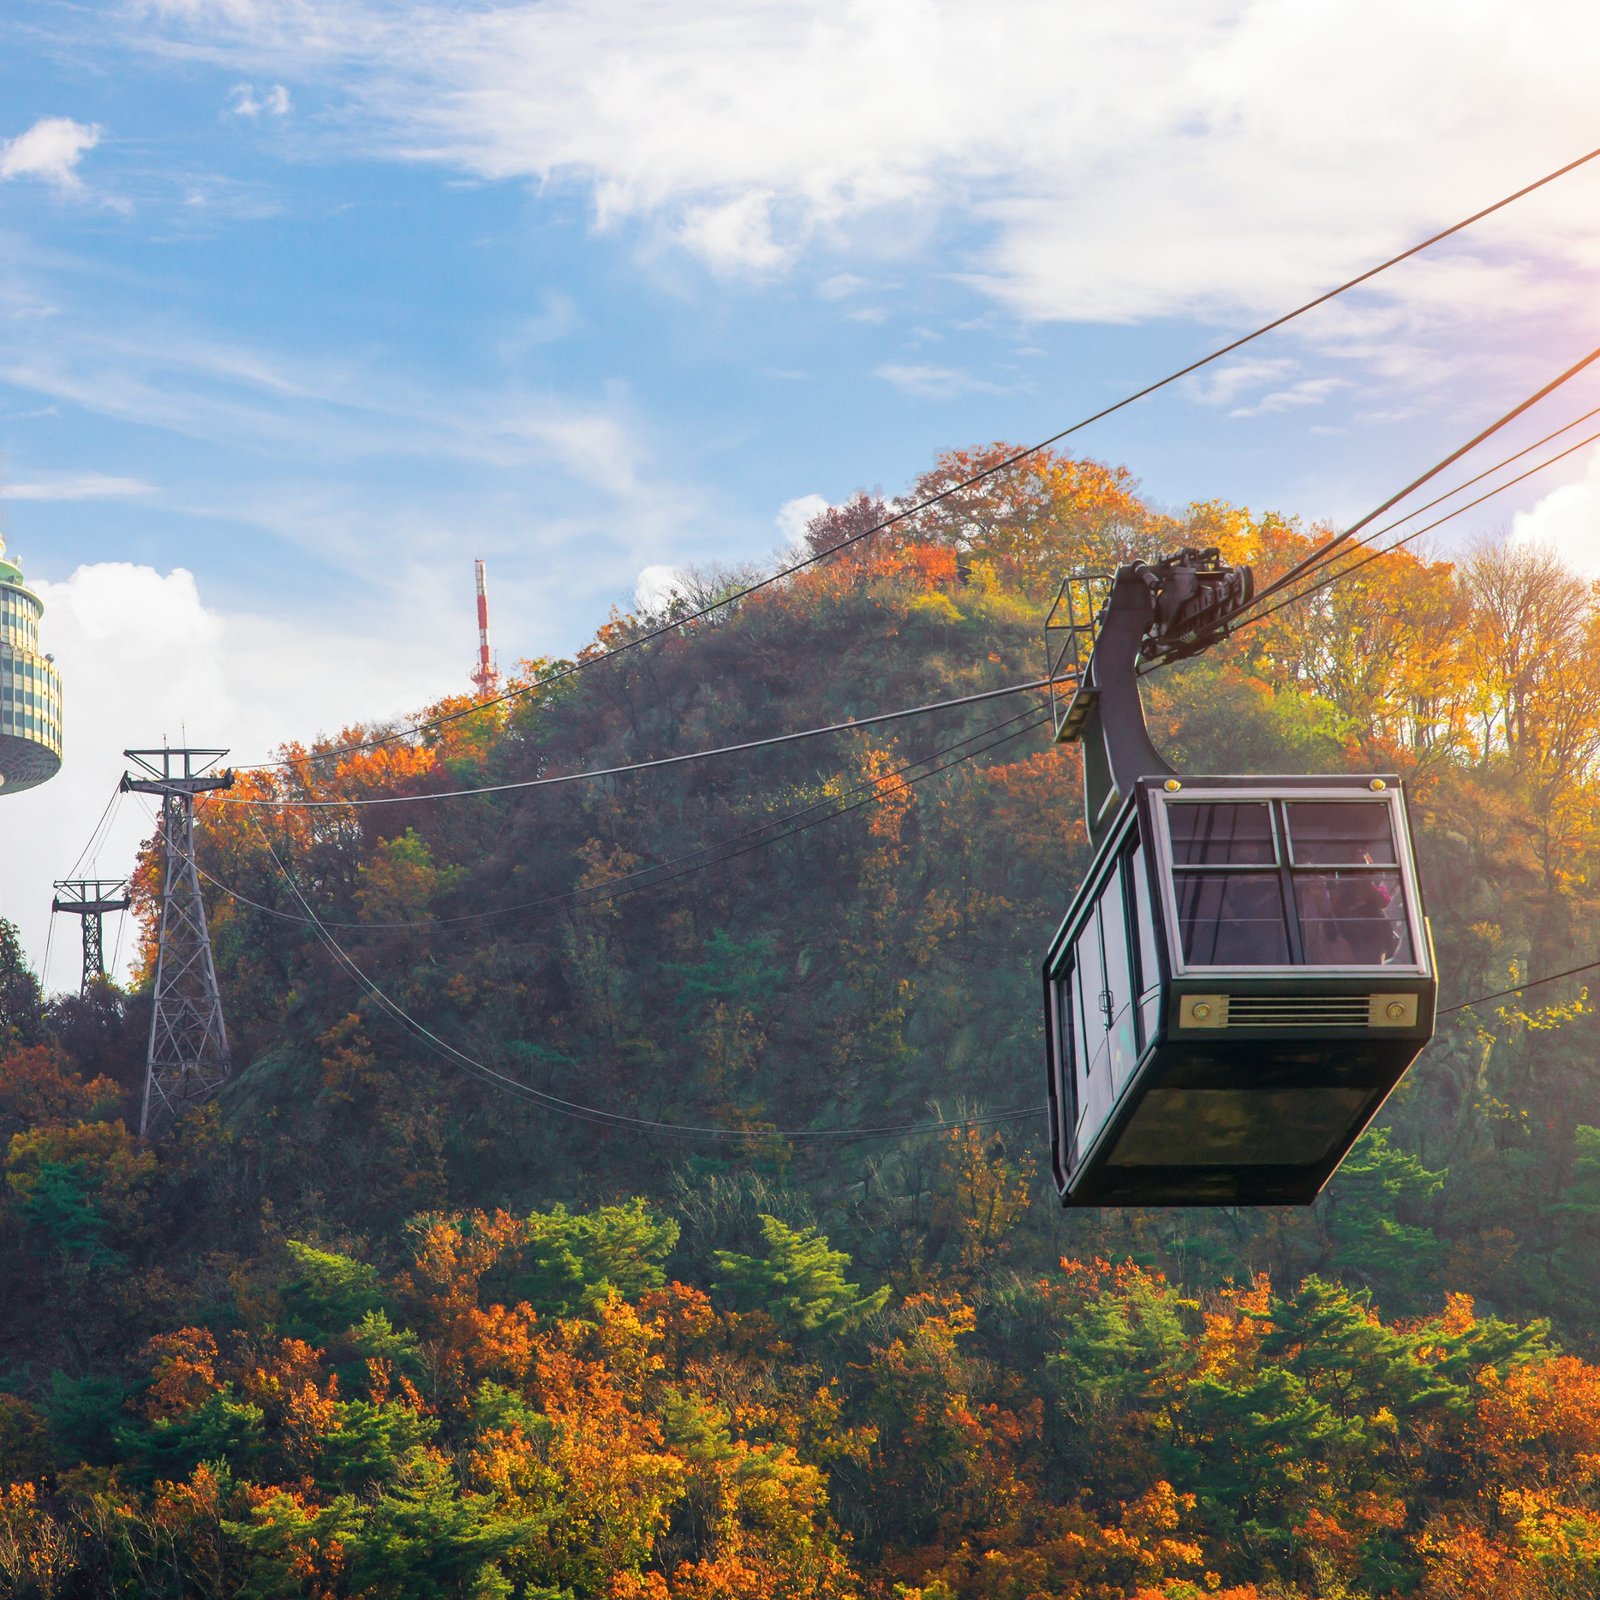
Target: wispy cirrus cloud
1224, 384
325, 452
932, 383
1308, 392
1271, 148
75, 486
227, 391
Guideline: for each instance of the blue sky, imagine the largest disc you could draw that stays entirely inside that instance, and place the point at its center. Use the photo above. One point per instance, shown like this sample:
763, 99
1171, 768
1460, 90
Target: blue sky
304, 306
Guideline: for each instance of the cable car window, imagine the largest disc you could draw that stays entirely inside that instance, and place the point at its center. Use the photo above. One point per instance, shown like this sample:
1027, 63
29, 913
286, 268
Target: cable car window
1095, 1081
1089, 1019
1149, 979
1119, 977
1070, 1034
1222, 835
1076, 1073
1340, 833
1352, 918
1231, 919
1114, 942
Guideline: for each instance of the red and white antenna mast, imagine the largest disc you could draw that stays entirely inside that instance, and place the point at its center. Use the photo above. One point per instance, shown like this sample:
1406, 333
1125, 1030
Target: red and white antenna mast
486, 678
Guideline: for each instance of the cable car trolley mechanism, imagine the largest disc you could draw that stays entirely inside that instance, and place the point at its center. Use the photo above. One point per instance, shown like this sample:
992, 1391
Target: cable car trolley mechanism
1246, 972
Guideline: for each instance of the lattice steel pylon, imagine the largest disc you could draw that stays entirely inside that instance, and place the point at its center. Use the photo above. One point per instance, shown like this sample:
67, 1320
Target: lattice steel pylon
187, 1060
89, 899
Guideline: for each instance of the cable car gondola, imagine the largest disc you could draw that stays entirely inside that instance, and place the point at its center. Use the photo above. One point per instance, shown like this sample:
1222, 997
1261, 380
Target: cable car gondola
1246, 972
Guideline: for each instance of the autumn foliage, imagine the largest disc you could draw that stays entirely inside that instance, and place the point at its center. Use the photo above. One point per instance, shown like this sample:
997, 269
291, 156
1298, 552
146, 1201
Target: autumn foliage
408, 1312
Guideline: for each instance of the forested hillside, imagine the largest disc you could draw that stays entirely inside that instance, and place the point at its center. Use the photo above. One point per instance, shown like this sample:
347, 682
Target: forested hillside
388, 1320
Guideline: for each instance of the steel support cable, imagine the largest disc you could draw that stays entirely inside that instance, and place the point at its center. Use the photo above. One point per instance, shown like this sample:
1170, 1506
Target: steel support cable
1005, 738
598, 1114
1367, 539
1416, 533
1366, 542
1502, 994
616, 889
116, 954
944, 494
98, 843
90, 852
1443, 1011
1321, 556
660, 872
91, 849
222, 797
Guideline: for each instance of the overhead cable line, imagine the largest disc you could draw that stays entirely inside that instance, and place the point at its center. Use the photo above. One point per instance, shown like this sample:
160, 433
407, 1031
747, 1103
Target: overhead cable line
1369, 538
91, 849
598, 1114
971, 481
1416, 533
1324, 553
661, 872
116, 953
1478, 477
222, 797
1532, 983
91, 853
604, 895
1367, 541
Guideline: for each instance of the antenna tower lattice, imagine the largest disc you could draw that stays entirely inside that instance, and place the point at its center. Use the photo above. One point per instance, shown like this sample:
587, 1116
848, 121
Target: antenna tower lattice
187, 1060
484, 676
89, 899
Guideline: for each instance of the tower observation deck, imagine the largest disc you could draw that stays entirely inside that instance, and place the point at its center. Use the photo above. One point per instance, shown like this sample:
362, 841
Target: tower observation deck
30, 688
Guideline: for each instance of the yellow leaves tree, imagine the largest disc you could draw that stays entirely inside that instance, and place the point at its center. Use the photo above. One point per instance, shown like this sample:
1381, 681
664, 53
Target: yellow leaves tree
1035, 519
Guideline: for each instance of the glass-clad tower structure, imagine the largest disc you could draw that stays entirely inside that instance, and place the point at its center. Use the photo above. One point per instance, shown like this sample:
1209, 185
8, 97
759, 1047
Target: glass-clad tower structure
30, 688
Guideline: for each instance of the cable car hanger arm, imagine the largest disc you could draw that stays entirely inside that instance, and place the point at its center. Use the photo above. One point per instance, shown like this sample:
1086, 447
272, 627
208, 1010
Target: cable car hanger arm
1170, 608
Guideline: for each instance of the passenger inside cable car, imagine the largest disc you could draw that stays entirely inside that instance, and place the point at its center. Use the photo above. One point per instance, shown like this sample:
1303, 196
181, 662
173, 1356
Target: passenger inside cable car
1343, 885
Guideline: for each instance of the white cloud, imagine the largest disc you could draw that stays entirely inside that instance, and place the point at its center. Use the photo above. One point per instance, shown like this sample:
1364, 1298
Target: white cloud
735, 235
557, 318
932, 383
564, 492
1270, 148
1308, 392
76, 486
1223, 384
794, 515
50, 150
657, 585
1567, 520
656, 588
242, 101
314, 408
841, 286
